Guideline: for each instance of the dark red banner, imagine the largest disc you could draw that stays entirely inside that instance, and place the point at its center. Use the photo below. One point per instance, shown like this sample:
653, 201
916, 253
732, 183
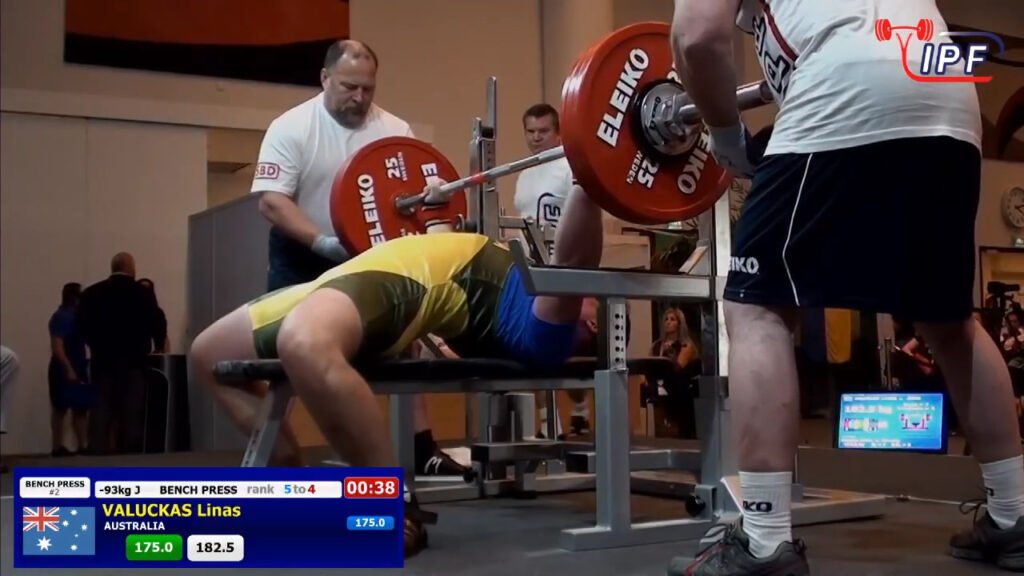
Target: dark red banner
265, 40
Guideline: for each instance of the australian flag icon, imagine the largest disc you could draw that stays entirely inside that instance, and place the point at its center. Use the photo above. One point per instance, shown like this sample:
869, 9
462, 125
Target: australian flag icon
58, 531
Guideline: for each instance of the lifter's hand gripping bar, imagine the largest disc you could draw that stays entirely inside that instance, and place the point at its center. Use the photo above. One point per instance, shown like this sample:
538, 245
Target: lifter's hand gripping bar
748, 96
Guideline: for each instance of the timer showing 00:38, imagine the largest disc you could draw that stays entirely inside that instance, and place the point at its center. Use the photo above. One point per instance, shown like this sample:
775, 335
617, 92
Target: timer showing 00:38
371, 488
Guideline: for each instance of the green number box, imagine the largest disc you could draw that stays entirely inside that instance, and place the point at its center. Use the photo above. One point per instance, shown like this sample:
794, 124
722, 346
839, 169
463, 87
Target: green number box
153, 547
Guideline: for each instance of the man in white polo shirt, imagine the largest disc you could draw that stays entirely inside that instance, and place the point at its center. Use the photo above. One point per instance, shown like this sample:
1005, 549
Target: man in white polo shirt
540, 194
301, 153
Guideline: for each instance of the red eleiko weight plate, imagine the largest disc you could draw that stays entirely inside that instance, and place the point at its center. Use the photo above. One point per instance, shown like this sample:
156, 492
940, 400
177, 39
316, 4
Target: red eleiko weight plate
363, 195
602, 141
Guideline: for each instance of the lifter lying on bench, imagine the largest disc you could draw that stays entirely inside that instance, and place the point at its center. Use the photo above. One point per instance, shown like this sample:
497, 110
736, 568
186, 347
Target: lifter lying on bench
461, 287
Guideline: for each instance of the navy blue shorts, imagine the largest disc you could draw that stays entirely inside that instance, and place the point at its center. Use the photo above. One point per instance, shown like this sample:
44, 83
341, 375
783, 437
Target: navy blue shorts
526, 338
66, 395
886, 228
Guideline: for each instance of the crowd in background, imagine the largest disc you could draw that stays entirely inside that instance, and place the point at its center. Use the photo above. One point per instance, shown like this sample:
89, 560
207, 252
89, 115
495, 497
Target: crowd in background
100, 340
911, 367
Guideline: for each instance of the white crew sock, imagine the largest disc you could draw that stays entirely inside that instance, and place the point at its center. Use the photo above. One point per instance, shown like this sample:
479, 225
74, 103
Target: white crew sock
1004, 482
767, 521
581, 409
406, 494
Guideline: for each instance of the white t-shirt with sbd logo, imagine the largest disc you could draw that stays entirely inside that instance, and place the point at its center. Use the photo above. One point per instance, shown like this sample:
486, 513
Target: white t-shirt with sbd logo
541, 192
838, 86
305, 147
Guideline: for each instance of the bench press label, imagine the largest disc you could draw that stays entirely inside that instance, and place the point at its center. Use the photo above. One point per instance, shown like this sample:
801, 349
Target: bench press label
194, 517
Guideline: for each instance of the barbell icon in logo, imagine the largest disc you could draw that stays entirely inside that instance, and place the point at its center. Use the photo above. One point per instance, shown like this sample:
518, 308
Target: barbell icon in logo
925, 29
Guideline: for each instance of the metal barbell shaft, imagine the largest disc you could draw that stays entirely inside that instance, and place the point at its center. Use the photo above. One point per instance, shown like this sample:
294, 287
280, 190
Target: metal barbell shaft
408, 202
747, 96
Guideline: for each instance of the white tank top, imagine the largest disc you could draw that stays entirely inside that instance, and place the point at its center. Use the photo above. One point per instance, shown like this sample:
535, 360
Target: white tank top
837, 85
541, 192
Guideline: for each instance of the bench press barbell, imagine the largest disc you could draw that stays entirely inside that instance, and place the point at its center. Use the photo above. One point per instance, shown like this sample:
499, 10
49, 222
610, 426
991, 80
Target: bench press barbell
667, 129
636, 148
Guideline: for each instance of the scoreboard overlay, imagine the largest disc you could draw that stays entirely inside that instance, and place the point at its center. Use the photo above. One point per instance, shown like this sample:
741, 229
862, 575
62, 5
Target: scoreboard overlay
208, 517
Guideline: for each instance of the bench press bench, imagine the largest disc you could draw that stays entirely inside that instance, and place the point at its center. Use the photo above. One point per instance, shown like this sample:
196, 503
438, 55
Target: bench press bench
418, 376
495, 377
438, 376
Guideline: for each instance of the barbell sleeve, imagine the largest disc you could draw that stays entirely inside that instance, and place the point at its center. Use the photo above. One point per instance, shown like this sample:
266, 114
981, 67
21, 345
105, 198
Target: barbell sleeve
748, 96
753, 95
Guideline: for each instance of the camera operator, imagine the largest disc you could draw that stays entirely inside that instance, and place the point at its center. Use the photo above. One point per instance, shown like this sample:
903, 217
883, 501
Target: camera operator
1000, 296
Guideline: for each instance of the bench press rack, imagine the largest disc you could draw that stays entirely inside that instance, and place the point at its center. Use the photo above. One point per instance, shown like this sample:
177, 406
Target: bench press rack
608, 463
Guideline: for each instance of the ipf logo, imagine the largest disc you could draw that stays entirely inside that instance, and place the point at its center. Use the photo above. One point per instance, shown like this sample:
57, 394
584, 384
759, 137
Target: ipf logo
936, 58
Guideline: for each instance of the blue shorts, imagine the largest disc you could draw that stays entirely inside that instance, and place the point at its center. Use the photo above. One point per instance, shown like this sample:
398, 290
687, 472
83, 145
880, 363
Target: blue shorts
526, 338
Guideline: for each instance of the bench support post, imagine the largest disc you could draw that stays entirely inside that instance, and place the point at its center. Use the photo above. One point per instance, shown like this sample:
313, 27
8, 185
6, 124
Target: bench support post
273, 411
403, 432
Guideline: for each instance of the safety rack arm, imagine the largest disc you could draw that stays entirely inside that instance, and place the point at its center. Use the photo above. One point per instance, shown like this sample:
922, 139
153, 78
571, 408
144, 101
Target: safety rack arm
608, 283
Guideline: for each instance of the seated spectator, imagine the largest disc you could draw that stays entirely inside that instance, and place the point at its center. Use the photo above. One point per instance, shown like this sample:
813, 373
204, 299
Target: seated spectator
676, 344
8, 376
1011, 335
915, 367
912, 361
68, 374
923, 362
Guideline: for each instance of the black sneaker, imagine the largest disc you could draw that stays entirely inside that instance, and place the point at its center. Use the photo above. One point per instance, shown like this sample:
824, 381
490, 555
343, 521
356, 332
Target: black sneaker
731, 556
986, 542
441, 464
415, 533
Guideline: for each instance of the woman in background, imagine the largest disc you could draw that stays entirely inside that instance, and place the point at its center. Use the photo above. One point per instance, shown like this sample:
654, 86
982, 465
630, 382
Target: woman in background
676, 344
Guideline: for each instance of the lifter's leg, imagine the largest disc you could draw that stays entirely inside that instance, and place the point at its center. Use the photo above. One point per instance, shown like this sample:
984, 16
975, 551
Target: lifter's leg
315, 343
230, 338
579, 240
765, 402
981, 391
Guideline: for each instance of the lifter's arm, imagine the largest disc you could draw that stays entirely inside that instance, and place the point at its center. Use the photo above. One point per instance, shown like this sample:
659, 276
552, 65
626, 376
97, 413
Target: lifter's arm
579, 241
702, 33
441, 226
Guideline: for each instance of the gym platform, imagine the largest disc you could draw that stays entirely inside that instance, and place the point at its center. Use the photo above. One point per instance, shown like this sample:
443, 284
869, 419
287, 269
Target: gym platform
502, 536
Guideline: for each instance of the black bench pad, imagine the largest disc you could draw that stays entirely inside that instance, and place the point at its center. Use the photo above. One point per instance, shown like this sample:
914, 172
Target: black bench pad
449, 369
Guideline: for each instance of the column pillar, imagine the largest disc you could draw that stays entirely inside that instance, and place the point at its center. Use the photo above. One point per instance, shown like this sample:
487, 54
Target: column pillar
568, 27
